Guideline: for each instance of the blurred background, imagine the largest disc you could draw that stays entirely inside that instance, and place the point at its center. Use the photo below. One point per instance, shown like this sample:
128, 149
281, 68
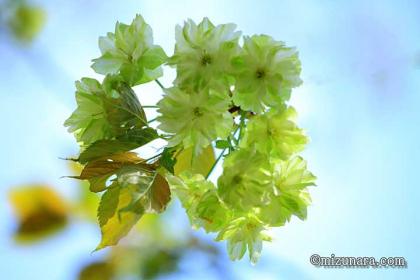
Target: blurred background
359, 104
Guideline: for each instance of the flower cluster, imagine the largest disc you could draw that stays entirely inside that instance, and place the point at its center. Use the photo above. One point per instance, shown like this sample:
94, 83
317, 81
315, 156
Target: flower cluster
229, 94
263, 182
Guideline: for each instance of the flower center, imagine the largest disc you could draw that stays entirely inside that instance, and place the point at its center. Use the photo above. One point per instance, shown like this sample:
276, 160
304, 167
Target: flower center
197, 112
237, 179
260, 73
206, 59
271, 131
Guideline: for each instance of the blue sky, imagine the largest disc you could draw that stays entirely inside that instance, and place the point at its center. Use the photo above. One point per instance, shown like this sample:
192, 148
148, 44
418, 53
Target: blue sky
359, 105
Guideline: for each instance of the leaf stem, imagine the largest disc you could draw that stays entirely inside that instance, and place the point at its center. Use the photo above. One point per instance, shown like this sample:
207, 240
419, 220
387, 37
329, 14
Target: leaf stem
149, 106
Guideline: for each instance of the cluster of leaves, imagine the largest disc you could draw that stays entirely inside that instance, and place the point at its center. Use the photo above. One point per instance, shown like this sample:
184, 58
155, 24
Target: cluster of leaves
226, 95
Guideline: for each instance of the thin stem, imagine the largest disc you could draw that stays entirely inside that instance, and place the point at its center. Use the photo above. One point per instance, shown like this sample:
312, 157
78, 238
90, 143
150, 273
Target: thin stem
178, 152
215, 163
152, 120
160, 84
220, 156
149, 106
155, 156
230, 142
241, 126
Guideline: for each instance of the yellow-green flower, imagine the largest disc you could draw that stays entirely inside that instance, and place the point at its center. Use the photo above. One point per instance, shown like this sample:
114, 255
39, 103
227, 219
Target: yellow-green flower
242, 233
246, 179
275, 133
203, 54
290, 197
194, 119
267, 71
131, 53
199, 197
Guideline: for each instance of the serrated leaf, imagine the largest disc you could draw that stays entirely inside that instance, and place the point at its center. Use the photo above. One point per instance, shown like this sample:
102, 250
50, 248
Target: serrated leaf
151, 188
158, 195
167, 159
108, 204
121, 222
134, 139
201, 164
103, 148
141, 136
123, 109
99, 171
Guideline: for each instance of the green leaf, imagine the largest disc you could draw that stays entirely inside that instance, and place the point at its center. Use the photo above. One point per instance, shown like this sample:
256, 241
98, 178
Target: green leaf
132, 140
121, 222
99, 171
152, 190
222, 144
167, 159
108, 204
158, 195
103, 148
200, 164
122, 106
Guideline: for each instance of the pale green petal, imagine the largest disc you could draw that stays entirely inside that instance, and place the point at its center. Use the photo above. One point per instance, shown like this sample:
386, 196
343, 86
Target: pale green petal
130, 52
265, 73
274, 133
246, 179
194, 119
203, 54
